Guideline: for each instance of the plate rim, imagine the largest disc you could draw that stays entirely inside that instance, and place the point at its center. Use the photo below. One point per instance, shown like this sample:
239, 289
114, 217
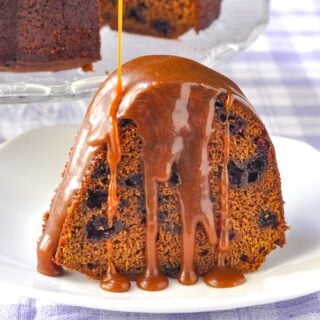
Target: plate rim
112, 304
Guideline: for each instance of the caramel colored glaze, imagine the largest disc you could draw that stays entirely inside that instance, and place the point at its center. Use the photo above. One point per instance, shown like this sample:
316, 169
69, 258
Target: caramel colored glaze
152, 279
186, 124
171, 100
194, 168
222, 276
113, 281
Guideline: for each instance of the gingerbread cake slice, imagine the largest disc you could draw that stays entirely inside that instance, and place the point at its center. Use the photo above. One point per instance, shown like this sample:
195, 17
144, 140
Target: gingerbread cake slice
197, 180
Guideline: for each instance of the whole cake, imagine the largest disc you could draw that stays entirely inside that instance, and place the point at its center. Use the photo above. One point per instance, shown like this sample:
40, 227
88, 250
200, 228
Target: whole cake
165, 18
173, 176
48, 35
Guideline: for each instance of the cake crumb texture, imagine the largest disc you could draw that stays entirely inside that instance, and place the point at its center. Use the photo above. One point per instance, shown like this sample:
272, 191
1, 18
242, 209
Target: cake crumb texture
257, 222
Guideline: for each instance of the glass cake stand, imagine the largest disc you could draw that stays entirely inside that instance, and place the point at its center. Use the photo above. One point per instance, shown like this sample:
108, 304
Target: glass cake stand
239, 24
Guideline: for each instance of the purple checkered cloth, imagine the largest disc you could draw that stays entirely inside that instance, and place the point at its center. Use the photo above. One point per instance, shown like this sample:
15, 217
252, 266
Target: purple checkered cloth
280, 74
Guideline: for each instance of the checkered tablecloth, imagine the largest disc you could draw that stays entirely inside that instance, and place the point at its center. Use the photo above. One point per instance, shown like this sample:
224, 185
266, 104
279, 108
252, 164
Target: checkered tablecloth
280, 74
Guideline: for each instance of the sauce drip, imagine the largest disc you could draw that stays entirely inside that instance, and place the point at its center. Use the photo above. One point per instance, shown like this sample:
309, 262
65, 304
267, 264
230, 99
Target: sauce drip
194, 168
151, 279
188, 117
222, 276
113, 281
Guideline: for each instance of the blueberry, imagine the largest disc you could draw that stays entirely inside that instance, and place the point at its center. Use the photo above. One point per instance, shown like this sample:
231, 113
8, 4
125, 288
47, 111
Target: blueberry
258, 165
163, 199
101, 172
220, 111
223, 117
219, 106
237, 125
262, 144
232, 234
253, 177
174, 178
247, 171
162, 26
134, 180
97, 228
244, 258
172, 228
96, 198
124, 122
91, 265
162, 216
170, 271
136, 13
124, 203
204, 252
237, 175
268, 218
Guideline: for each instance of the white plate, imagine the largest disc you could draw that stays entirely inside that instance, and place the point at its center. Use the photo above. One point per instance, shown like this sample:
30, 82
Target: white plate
30, 167
240, 23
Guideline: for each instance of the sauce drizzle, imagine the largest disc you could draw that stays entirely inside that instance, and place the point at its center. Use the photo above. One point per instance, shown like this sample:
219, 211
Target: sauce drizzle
113, 281
222, 276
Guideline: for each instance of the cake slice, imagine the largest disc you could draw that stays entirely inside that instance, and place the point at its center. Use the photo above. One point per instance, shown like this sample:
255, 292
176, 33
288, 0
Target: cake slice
197, 181
166, 18
48, 35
